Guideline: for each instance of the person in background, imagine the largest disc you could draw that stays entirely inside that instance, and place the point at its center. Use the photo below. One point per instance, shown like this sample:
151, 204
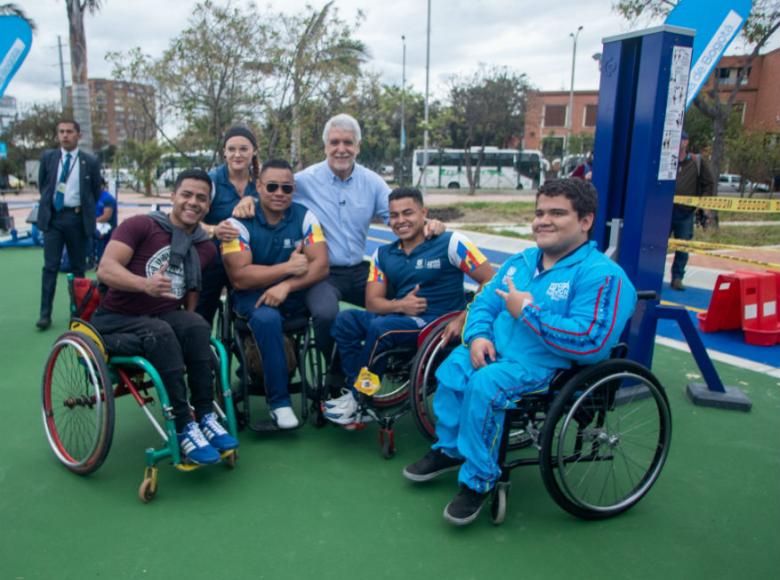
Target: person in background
694, 178
105, 221
69, 182
585, 169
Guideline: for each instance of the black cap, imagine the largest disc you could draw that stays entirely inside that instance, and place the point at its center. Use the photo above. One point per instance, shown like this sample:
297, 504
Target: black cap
240, 131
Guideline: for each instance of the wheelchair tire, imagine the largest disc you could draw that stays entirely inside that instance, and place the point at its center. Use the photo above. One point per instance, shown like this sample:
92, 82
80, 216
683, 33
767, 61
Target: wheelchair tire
78, 403
498, 503
423, 380
605, 439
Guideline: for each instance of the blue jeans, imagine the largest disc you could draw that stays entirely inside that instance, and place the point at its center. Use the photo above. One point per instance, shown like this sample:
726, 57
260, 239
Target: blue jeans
470, 405
266, 324
362, 335
682, 229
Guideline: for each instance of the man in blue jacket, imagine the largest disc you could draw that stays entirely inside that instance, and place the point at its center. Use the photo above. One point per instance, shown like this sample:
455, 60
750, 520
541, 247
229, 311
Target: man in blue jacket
548, 307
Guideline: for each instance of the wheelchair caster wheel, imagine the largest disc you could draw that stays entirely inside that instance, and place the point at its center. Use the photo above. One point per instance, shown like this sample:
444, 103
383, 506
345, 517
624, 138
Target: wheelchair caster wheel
498, 504
387, 441
230, 458
148, 488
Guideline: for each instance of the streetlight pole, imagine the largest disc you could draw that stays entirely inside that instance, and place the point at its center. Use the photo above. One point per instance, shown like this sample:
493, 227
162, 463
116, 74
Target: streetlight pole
403, 112
427, 78
570, 124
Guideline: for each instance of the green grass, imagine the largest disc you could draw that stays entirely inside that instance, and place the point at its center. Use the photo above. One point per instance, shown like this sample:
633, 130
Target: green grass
499, 232
743, 216
740, 235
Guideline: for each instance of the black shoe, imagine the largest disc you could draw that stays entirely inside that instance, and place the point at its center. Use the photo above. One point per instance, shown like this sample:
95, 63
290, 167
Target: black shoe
43, 323
677, 284
465, 506
432, 465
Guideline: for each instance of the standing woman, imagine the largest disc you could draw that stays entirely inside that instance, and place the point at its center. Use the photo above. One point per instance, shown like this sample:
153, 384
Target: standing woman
232, 180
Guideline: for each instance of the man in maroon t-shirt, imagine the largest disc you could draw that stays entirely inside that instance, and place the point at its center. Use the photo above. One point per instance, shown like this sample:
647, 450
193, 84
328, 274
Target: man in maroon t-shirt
152, 266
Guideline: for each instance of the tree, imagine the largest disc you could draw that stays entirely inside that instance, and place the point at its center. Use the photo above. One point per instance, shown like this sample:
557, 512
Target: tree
33, 130
206, 79
78, 66
144, 156
755, 156
581, 143
489, 108
14, 10
305, 53
762, 23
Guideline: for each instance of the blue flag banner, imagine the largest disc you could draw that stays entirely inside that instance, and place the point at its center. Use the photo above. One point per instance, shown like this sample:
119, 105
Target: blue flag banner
717, 23
15, 42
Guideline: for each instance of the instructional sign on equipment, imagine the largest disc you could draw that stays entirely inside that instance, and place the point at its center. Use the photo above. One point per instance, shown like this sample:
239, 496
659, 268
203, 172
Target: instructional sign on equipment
675, 113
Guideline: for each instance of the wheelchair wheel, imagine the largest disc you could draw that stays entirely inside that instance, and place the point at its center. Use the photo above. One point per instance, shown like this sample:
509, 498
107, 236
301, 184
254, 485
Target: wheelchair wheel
423, 380
498, 502
78, 403
605, 439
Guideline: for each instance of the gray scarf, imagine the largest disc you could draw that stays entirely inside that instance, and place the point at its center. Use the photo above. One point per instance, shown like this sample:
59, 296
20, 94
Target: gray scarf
183, 252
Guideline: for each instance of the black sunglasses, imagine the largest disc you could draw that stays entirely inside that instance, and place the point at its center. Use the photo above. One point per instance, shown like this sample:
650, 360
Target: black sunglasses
272, 186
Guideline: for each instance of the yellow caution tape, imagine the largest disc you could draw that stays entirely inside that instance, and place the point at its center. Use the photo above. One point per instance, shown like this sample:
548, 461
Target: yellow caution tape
715, 246
730, 203
682, 247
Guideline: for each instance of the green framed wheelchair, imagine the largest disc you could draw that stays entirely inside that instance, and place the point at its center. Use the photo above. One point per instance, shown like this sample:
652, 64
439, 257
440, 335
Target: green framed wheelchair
81, 381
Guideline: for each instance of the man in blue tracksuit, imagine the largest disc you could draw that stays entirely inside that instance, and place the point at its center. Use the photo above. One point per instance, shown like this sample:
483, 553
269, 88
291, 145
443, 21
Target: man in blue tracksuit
548, 307
278, 254
411, 282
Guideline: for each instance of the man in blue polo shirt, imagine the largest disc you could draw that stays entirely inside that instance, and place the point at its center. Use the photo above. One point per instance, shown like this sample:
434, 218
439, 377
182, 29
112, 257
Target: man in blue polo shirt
345, 196
411, 282
279, 253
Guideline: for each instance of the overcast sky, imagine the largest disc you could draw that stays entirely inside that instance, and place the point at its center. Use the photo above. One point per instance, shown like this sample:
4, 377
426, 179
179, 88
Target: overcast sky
531, 36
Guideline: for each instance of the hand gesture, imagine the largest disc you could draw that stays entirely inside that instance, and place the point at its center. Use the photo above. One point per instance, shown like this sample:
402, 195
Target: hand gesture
274, 296
453, 328
482, 352
298, 263
159, 285
514, 299
433, 228
245, 208
411, 304
225, 231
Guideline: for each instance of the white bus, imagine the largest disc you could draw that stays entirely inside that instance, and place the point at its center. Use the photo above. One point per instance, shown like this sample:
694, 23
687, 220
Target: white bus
500, 169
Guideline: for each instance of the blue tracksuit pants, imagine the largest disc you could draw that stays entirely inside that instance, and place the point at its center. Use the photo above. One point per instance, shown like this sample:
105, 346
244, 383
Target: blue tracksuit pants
470, 405
266, 324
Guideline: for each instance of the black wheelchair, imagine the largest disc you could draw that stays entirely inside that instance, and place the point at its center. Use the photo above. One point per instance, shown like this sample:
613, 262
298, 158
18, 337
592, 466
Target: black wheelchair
83, 376
304, 364
600, 434
392, 401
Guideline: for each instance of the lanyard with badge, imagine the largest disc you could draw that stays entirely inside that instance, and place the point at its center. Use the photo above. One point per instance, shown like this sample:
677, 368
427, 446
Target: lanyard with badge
63, 182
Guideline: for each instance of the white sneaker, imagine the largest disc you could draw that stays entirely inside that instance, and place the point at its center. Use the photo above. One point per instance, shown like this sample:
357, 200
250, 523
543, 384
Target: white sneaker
345, 413
284, 418
346, 399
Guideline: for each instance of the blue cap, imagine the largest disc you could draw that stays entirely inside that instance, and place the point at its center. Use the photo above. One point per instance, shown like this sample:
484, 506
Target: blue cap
684, 135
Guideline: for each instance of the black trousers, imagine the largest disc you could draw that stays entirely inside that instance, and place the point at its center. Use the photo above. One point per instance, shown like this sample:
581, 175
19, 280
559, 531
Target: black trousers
175, 342
65, 230
347, 283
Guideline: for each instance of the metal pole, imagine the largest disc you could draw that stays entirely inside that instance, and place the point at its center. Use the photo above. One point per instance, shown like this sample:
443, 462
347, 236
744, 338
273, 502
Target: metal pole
570, 124
403, 111
427, 78
63, 94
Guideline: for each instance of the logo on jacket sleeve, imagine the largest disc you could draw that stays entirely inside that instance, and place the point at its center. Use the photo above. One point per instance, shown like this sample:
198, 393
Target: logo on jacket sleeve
558, 290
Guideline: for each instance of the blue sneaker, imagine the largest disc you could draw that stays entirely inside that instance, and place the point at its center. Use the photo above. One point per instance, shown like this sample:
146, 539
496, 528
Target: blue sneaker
216, 434
194, 446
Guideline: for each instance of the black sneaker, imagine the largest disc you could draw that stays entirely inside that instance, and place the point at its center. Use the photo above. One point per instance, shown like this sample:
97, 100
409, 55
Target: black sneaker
465, 506
432, 465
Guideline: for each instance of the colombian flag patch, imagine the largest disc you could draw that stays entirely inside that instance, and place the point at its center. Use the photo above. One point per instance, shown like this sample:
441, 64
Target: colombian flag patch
470, 256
